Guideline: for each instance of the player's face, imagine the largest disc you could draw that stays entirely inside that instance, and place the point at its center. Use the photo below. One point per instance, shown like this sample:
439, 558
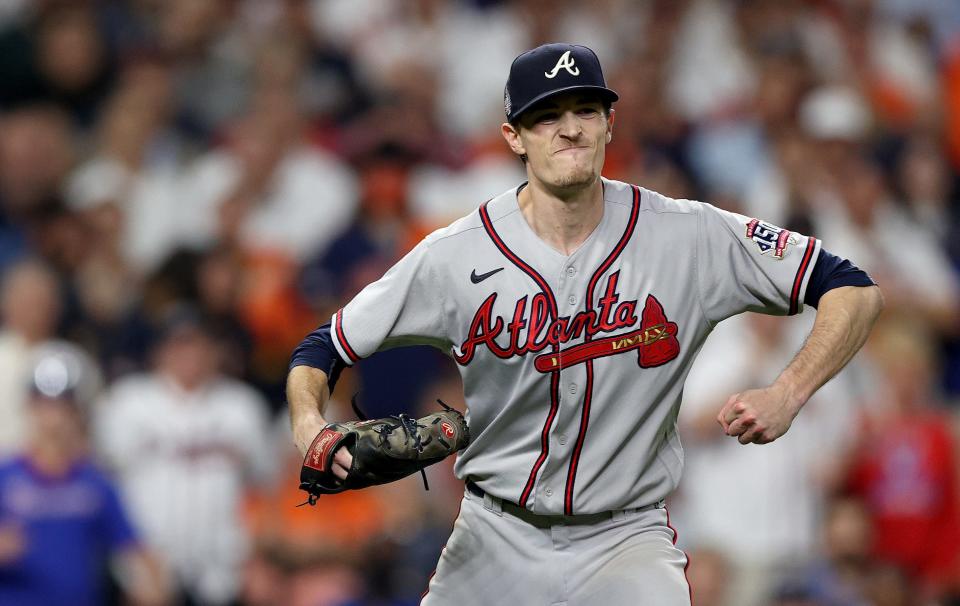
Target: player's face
564, 139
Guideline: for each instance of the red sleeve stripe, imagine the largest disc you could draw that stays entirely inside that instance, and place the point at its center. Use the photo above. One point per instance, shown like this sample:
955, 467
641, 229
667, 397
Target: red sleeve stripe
343, 339
801, 272
555, 376
588, 392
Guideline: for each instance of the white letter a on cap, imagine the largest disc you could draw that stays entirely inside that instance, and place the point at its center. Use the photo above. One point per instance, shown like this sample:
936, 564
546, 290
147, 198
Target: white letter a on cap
566, 63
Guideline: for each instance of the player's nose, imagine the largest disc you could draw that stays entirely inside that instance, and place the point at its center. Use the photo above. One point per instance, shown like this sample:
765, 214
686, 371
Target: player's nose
569, 125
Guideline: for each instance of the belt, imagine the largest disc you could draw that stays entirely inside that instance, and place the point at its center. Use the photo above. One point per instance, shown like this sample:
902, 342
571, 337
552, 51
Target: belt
546, 521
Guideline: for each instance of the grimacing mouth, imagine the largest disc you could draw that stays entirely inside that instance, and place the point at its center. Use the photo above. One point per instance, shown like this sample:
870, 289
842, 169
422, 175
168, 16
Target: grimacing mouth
569, 148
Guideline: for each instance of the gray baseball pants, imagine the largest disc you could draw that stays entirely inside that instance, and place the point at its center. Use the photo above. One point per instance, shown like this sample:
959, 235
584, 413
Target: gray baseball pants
495, 557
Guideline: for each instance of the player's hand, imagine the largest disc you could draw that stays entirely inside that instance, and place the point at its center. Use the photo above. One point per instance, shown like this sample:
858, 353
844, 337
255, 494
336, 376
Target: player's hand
758, 416
306, 429
342, 460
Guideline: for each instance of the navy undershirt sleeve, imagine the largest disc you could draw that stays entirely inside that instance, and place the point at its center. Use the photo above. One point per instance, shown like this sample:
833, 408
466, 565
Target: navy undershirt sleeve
317, 351
832, 272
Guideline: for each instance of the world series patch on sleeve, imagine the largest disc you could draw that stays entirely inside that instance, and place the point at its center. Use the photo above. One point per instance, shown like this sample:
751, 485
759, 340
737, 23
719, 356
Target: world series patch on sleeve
770, 238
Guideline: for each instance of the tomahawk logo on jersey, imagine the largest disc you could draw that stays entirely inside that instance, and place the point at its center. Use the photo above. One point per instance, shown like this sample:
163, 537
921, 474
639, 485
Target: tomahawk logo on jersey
573, 365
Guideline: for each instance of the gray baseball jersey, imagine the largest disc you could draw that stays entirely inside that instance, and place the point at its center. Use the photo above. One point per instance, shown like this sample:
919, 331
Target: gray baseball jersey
573, 365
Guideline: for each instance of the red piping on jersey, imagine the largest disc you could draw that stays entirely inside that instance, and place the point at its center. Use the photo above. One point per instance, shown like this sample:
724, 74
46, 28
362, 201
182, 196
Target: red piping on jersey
801, 271
555, 378
343, 338
588, 392
685, 554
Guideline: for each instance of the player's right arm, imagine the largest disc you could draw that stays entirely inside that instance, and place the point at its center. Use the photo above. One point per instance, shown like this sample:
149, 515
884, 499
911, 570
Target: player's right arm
307, 395
404, 307
314, 369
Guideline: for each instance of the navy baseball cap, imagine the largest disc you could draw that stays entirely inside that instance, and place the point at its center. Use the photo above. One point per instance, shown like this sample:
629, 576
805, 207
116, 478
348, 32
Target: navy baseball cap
551, 69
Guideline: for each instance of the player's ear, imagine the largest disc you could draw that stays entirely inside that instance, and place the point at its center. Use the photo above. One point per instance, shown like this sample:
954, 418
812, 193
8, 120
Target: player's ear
610, 119
512, 136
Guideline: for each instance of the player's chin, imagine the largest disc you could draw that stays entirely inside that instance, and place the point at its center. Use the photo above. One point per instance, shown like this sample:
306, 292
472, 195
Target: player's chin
576, 177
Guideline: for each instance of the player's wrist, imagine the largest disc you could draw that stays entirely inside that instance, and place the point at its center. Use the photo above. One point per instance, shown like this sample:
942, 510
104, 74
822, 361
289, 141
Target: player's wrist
307, 420
306, 426
792, 391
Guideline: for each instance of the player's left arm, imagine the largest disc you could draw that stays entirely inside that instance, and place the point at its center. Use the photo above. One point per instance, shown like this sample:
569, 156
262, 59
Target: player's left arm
845, 316
746, 264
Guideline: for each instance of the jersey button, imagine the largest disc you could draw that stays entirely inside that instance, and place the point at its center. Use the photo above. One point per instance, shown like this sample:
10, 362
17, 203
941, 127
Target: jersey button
562, 439
548, 492
573, 388
571, 271
572, 300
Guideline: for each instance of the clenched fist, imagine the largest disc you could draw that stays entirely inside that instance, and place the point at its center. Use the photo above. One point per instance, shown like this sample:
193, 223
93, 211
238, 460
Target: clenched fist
759, 416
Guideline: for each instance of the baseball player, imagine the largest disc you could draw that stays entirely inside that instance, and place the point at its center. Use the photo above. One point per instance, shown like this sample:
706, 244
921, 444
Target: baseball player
574, 306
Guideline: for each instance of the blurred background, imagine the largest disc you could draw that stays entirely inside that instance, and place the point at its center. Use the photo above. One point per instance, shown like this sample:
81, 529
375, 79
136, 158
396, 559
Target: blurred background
188, 187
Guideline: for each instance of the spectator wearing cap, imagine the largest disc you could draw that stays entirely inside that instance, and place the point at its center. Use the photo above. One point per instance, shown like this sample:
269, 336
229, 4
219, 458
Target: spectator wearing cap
60, 516
187, 442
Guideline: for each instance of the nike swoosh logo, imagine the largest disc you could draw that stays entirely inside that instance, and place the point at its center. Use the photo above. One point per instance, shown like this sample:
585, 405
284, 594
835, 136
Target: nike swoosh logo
478, 279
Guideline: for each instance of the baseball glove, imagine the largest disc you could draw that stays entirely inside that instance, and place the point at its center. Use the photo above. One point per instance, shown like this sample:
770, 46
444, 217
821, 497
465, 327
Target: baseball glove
384, 450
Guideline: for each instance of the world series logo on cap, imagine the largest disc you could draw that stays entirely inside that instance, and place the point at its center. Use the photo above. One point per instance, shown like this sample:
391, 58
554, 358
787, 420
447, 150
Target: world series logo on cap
565, 62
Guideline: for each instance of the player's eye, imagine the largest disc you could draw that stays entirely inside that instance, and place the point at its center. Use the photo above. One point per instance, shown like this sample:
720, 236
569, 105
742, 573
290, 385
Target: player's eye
587, 111
546, 117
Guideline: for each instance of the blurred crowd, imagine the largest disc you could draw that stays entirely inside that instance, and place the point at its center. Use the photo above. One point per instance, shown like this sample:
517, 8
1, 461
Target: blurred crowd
188, 187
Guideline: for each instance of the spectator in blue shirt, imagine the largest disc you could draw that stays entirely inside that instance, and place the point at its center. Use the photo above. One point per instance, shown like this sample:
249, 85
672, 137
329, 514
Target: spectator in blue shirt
61, 520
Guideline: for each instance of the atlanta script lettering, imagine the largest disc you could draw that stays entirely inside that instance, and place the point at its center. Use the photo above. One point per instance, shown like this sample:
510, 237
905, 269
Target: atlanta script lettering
533, 327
